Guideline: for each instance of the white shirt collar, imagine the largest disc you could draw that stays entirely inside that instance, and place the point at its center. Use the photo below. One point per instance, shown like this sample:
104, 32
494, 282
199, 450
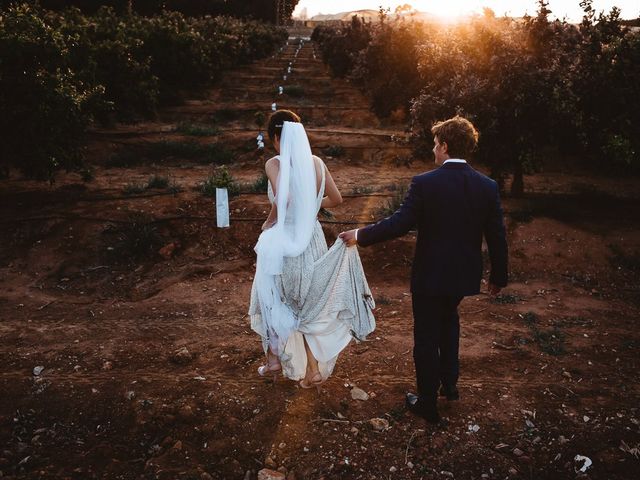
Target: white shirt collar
454, 160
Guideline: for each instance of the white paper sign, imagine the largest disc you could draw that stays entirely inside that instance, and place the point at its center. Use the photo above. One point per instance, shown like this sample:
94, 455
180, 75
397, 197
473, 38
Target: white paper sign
222, 207
273, 107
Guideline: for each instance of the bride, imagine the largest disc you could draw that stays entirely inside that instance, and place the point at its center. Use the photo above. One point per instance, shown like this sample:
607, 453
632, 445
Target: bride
307, 301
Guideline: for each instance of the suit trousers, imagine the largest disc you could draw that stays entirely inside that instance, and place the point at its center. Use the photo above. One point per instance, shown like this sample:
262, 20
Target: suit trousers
436, 336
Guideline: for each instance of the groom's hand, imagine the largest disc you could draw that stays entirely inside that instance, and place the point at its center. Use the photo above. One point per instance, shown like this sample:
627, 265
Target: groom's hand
494, 289
349, 237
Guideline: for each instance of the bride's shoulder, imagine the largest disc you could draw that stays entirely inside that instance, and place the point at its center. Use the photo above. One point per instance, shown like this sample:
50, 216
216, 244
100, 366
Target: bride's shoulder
317, 160
273, 162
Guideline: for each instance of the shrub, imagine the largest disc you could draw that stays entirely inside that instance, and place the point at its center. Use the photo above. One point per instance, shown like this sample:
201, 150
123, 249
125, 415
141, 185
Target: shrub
124, 157
157, 181
196, 129
136, 239
260, 185
61, 71
333, 151
44, 106
294, 90
220, 179
214, 153
394, 203
132, 188
534, 87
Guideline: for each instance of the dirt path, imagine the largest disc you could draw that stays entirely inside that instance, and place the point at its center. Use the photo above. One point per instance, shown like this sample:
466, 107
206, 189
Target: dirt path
149, 360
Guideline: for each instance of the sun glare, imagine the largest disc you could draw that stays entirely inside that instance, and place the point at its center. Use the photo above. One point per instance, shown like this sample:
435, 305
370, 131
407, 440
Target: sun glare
450, 10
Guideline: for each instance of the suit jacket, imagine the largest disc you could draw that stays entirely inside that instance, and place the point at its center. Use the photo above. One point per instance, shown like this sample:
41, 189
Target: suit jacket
453, 207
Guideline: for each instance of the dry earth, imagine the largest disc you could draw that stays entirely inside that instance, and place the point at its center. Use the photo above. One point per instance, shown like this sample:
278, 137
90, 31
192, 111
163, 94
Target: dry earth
549, 369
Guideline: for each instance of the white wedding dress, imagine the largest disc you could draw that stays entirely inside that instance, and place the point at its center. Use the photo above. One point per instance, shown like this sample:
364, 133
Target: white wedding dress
329, 295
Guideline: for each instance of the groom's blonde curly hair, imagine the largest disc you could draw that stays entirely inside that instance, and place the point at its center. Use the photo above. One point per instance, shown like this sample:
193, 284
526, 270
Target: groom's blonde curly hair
459, 134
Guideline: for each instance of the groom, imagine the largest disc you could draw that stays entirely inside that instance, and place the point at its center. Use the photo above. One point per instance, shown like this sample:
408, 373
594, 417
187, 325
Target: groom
453, 207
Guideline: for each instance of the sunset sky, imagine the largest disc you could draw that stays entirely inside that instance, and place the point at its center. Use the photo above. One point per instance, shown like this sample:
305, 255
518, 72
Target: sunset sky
450, 8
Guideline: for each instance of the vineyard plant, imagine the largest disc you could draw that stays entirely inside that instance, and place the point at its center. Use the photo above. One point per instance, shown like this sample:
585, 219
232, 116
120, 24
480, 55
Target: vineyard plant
537, 88
61, 71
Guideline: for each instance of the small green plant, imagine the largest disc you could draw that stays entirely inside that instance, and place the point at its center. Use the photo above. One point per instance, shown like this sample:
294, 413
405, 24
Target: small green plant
394, 203
171, 148
219, 154
521, 216
624, 260
505, 299
135, 239
208, 153
259, 119
550, 341
174, 187
87, 173
326, 213
260, 185
122, 158
382, 300
294, 90
158, 181
361, 190
133, 188
196, 129
225, 115
402, 160
333, 151
220, 179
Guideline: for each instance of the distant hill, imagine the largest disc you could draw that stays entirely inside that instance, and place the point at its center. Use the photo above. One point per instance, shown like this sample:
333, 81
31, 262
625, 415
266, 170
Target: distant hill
370, 16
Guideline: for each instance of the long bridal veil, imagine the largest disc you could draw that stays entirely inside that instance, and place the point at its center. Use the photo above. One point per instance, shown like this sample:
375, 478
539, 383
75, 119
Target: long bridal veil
296, 216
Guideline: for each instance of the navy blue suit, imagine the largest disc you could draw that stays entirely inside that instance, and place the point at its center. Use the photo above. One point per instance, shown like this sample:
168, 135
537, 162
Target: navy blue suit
452, 207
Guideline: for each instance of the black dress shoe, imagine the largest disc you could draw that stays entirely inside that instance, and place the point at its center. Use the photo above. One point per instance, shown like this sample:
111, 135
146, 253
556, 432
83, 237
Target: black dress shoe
450, 392
422, 409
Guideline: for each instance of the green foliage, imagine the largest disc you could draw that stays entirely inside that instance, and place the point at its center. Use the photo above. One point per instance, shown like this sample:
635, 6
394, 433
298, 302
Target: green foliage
395, 201
44, 105
136, 239
533, 88
196, 129
294, 90
259, 119
550, 341
123, 157
222, 178
225, 115
61, 71
333, 151
133, 188
273, 11
87, 173
505, 299
361, 190
260, 185
339, 45
622, 259
214, 153
158, 181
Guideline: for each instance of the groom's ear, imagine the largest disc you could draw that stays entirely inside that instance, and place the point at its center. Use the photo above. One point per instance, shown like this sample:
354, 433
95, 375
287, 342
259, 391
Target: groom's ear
445, 147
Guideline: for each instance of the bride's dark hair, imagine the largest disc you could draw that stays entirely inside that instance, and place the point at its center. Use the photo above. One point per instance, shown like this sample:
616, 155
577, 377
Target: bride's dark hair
276, 121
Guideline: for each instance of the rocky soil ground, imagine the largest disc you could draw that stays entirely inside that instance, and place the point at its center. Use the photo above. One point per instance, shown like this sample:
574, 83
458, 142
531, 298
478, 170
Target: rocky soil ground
126, 352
